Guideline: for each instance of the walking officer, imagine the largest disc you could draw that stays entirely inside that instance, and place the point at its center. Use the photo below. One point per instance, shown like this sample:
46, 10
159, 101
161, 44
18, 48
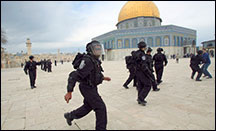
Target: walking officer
131, 66
144, 80
90, 75
150, 65
158, 59
31, 67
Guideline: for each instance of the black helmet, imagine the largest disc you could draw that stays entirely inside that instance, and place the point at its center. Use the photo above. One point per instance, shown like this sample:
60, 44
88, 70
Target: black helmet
94, 48
200, 52
141, 44
159, 49
31, 57
149, 49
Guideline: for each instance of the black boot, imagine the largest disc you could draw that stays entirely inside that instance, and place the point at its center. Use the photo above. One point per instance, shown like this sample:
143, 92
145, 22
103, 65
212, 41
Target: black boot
198, 80
143, 103
125, 86
68, 118
156, 89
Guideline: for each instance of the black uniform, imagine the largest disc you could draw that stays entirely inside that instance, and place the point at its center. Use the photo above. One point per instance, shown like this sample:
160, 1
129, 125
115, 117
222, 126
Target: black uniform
49, 66
195, 62
31, 67
150, 65
42, 64
45, 65
90, 75
55, 63
143, 75
159, 58
132, 69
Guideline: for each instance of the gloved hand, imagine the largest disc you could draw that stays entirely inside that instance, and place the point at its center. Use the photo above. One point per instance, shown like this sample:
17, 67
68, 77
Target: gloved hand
26, 73
68, 96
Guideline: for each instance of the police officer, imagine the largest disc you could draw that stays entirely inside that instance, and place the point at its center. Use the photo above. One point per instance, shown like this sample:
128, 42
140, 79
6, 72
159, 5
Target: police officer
195, 62
45, 65
158, 59
132, 69
90, 73
144, 80
49, 65
55, 63
31, 67
150, 65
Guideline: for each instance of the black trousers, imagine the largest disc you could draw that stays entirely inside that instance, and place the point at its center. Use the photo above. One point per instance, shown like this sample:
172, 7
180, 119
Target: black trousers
159, 72
131, 77
32, 75
92, 101
154, 84
143, 86
50, 69
196, 68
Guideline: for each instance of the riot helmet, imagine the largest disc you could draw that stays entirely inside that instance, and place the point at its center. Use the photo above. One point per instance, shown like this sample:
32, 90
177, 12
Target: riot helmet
149, 49
141, 44
31, 57
159, 49
94, 48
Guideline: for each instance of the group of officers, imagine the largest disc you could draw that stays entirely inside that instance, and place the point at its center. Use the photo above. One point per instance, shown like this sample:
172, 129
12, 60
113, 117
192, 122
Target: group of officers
46, 65
89, 74
141, 71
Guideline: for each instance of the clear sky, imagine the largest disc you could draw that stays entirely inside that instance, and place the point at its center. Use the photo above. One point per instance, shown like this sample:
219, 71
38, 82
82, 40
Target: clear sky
68, 26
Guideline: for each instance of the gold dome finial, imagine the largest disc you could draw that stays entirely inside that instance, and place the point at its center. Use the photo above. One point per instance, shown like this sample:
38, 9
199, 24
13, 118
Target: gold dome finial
134, 9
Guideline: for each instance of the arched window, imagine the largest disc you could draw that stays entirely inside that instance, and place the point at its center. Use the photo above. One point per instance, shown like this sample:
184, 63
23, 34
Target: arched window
119, 43
127, 43
134, 43
150, 42
166, 40
158, 41
112, 43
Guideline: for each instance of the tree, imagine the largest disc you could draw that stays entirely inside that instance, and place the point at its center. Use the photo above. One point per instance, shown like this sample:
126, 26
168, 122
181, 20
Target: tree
3, 37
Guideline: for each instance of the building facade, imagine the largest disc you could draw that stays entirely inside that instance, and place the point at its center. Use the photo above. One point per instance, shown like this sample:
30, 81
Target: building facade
140, 21
209, 46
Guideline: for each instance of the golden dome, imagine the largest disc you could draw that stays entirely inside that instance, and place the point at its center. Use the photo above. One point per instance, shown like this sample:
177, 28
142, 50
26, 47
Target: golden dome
134, 9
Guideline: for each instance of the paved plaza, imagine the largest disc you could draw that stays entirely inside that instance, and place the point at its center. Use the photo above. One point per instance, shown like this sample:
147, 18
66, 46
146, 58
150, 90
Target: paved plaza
181, 104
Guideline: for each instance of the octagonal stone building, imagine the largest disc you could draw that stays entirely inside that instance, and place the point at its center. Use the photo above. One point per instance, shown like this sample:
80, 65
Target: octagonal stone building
140, 21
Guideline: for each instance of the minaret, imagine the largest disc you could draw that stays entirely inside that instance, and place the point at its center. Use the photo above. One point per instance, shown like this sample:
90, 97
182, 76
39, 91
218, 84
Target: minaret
58, 55
28, 43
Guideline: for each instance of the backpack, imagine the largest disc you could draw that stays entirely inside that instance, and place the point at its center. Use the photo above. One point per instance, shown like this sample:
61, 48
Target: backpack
130, 61
77, 60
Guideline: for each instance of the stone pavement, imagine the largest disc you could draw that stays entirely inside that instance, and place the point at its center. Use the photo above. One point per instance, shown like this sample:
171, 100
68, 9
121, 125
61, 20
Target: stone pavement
181, 104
